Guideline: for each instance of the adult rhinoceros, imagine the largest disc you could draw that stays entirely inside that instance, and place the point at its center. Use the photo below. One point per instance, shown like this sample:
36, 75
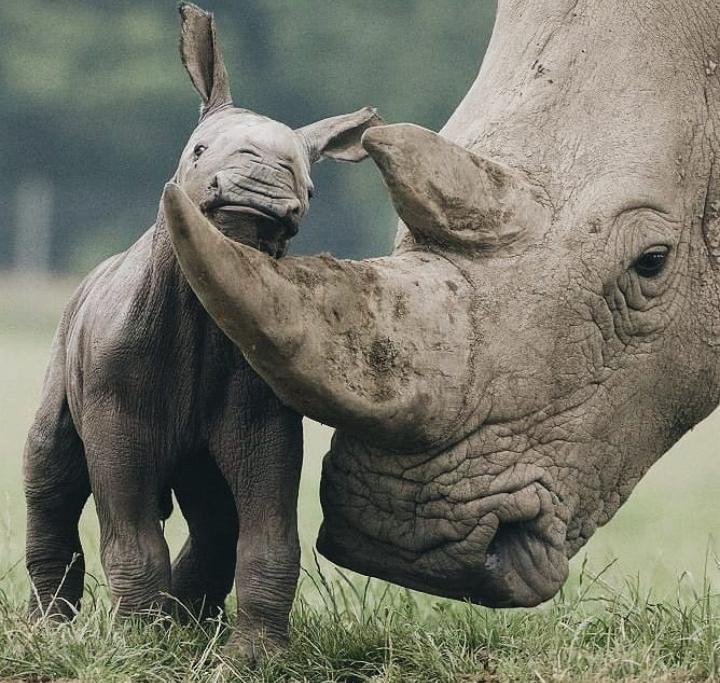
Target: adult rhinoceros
548, 324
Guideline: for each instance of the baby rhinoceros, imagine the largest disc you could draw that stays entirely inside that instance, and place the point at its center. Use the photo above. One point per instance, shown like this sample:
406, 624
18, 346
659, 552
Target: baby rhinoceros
144, 395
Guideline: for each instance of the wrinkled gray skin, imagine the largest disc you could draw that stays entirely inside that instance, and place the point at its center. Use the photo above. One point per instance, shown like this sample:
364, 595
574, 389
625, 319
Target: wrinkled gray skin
548, 324
144, 394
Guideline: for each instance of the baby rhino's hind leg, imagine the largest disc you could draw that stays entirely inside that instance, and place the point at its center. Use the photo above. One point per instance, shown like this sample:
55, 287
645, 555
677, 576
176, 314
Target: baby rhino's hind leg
202, 574
56, 488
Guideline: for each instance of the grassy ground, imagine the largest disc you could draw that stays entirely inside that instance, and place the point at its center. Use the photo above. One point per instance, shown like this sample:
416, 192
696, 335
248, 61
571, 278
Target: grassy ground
651, 616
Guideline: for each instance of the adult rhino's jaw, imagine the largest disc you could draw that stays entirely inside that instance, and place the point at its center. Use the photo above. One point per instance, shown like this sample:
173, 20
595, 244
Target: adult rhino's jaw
446, 524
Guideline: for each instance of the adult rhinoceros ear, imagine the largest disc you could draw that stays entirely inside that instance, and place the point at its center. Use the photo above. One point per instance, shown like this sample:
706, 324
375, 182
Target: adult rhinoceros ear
339, 136
449, 196
202, 58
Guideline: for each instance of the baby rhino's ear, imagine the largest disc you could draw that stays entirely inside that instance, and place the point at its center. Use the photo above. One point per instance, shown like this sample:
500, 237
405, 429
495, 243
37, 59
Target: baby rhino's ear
203, 60
339, 137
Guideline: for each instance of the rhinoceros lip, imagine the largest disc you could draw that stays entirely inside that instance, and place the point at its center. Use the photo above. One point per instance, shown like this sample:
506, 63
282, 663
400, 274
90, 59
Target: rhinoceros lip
232, 219
244, 209
524, 563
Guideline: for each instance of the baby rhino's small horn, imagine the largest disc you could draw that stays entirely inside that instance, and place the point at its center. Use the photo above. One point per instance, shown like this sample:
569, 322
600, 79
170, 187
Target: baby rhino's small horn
450, 196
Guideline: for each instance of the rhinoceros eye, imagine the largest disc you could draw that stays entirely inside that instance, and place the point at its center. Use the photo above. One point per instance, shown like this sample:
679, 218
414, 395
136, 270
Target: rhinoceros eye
199, 149
652, 262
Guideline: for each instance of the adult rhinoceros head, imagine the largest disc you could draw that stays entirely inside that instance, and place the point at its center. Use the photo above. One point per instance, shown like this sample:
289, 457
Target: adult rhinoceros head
549, 323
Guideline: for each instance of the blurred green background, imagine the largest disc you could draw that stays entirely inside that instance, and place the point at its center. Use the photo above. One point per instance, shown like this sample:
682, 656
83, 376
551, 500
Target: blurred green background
95, 108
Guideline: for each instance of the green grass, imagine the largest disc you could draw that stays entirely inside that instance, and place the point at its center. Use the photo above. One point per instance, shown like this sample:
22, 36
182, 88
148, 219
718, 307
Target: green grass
653, 615
349, 630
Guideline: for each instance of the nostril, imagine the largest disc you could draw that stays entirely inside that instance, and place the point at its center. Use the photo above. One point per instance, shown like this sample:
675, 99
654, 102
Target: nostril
214, 183
294, 209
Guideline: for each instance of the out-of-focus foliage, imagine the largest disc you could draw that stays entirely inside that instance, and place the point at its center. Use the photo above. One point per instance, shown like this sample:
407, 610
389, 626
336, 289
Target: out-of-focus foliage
95, 100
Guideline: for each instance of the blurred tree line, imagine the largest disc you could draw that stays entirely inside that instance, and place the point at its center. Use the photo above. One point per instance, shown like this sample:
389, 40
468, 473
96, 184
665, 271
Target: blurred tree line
96, 106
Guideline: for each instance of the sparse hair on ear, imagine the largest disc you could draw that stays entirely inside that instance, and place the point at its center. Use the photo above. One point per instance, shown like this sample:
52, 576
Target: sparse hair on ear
339, 136
202, 58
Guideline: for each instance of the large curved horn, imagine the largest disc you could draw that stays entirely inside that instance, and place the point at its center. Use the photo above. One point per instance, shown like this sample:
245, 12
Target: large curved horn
446, 194
358, 344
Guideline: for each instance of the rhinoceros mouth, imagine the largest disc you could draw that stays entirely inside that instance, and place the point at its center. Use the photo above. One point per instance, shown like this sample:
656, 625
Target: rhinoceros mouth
502, 549
518, 568
236, 209
225, 211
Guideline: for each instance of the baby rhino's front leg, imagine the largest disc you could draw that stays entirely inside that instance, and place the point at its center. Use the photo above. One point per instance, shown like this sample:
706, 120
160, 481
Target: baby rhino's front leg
259, 451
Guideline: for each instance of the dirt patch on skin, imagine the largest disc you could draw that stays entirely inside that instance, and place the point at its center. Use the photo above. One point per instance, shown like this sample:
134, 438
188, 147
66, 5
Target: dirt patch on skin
401, 307
492, 220
495, 174
389, 367
498, 177
382, 355
307, 277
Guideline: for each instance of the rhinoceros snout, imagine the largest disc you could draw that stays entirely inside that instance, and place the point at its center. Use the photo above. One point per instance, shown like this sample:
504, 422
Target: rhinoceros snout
496, 540
517, 568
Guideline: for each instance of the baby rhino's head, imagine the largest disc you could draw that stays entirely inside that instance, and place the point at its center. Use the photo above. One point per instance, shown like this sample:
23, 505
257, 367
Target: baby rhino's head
249, 174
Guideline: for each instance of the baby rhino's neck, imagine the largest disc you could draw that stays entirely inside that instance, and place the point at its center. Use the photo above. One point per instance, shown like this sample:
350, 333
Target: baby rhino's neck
169, 294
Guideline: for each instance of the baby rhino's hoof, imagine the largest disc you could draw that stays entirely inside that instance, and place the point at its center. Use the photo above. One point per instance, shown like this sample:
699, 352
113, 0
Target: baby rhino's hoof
253, 650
